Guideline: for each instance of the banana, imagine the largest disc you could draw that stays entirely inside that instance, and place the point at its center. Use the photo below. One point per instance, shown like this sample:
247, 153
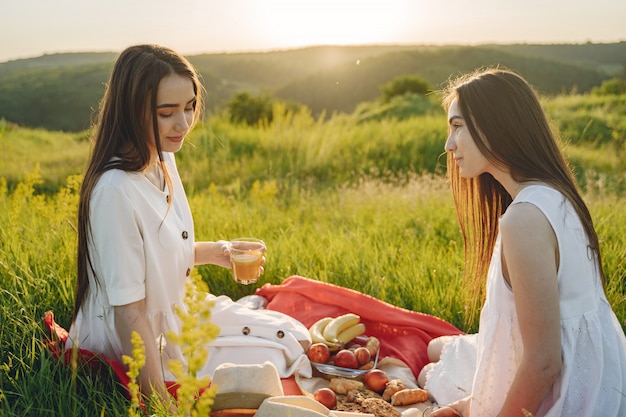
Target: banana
338, 324
350, 333
317, 328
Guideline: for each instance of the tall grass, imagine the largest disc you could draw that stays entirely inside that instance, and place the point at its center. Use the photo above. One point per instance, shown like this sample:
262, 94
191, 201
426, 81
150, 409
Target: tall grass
398, 243
58, 154
36, 274
297, 148
362, 205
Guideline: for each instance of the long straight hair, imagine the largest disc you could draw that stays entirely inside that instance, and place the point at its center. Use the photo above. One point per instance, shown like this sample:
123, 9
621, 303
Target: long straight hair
121, 138
505, 118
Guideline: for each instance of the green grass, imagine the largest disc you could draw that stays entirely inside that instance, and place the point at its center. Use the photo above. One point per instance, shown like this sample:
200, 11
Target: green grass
398, 243
58, 154
362, 205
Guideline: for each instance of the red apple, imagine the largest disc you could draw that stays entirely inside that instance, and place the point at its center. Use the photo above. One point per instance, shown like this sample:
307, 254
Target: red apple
318, 352
362, 355
376, 380
346, 359
326, 397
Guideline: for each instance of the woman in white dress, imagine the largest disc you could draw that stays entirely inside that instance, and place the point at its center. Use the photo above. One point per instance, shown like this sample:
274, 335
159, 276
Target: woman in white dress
548, 341
136, 246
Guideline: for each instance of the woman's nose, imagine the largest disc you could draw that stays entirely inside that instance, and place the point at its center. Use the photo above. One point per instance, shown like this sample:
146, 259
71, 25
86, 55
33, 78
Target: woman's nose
181, 124
450, 145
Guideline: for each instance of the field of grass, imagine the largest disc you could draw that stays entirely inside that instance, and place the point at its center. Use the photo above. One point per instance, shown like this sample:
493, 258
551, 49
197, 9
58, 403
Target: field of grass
362, 205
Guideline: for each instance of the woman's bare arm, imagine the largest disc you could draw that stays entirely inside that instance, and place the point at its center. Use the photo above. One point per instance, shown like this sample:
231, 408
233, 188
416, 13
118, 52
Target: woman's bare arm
132, 317
530, 256
215, 253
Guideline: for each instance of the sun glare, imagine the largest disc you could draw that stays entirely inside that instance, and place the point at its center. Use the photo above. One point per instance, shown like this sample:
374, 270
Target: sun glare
327, 22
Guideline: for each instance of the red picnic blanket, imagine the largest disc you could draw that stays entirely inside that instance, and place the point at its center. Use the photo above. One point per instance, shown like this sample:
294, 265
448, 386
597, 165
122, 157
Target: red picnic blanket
95, 363
403, 334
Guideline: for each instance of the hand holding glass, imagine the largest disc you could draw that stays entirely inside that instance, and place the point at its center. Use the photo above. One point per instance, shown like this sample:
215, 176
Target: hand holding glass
246, 256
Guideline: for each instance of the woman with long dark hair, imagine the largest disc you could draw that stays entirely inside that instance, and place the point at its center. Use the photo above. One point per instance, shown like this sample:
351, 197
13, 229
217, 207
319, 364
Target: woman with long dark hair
136, 244
548, 342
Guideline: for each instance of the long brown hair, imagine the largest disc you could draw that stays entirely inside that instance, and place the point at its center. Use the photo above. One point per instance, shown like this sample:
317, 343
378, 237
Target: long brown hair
505, 118
121, 135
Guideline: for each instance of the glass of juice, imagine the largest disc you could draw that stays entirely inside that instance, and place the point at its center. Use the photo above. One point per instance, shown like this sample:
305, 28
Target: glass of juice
246, 256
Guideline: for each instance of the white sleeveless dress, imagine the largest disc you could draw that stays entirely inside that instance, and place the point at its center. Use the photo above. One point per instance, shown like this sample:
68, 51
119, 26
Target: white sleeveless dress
593, 377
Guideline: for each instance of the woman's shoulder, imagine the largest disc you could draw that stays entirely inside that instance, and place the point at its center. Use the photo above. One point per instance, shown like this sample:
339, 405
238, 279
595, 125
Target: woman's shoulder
523, 217
117, 179
534, 204
548, 199
553, 205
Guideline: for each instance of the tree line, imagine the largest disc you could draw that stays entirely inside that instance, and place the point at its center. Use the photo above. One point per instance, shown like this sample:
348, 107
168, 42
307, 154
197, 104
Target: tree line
61, 92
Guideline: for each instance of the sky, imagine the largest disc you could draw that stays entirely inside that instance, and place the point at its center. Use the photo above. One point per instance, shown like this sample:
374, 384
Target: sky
30, 28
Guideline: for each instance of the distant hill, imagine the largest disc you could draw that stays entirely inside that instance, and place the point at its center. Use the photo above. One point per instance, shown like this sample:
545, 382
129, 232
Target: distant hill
62, 91
341, 87
608, 57
57, 61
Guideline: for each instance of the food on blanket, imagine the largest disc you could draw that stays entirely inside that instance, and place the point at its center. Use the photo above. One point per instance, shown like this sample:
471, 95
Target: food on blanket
342, 364
343, 385
363, 355
379, 407
346, 359
347, 406
339, 324
373, 344
352, 400
338, 331
358, 395
326, 397
316, 331
392, 387
376, 380
350, 333
318, 352
409, 396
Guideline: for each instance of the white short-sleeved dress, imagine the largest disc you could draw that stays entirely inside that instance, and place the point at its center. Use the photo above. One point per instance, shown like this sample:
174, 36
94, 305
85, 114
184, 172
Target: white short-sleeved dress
593, 377
153, 255
141, 250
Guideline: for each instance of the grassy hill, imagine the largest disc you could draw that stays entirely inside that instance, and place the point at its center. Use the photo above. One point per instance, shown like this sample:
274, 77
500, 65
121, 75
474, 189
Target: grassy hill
360, 204
60, 91
343, 86
610, 57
